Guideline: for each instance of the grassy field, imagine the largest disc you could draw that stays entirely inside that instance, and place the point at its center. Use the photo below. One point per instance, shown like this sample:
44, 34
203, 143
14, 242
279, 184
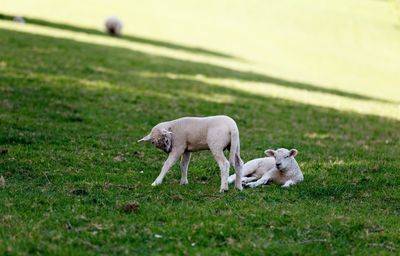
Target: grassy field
73, 102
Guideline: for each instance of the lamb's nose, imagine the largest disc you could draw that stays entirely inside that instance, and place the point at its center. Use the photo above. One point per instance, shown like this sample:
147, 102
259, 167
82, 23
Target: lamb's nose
278, 165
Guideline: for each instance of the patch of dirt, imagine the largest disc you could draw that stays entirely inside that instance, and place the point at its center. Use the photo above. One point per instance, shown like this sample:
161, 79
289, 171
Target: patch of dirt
131, 207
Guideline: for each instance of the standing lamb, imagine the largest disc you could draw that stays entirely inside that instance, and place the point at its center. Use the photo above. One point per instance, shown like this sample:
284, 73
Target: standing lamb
279, 167
182, 136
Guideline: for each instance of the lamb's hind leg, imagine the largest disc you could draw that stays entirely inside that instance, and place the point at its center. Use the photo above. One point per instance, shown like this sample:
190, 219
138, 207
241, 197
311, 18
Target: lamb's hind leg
184, 167
223, 164
245, 180
247, 170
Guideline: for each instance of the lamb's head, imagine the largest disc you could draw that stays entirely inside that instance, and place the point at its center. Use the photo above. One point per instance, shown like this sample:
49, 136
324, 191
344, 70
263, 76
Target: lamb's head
160, 137
284, 158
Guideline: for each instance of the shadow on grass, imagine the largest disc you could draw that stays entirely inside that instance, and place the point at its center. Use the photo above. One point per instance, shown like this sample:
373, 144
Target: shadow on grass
211, 70
96, 69
124, 37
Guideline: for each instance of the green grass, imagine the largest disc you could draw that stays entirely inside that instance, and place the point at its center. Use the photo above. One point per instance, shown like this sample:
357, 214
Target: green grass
73, 103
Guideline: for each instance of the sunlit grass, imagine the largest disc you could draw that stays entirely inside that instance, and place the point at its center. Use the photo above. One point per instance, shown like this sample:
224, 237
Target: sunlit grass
391, 110
371, 107
116, 42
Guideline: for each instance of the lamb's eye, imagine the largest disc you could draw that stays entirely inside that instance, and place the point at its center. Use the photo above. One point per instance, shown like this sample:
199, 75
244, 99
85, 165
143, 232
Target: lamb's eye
286, 156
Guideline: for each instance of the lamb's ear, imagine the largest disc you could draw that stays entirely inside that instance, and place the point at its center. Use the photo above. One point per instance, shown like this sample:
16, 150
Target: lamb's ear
293, 152
269, 152
167, 139
145, 138
165, 131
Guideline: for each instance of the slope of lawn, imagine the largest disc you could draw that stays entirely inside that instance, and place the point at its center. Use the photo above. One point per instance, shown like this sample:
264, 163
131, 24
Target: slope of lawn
74, 102
353, 45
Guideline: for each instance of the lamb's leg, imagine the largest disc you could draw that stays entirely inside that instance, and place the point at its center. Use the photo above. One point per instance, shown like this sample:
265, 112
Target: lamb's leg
232, 178
246, 172
263, 180
248, 179
223, 164
288, 184
171, 160
238, 172
184, 167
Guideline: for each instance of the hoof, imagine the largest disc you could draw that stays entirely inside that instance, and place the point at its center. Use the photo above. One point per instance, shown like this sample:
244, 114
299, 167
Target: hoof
156, 183
222, 190
251, 185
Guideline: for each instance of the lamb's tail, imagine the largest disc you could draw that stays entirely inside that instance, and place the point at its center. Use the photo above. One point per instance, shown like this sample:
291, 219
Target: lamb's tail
234, 158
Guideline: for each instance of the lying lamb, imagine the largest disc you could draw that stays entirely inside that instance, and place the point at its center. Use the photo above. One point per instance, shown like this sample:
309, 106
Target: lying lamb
280, 167
182, 136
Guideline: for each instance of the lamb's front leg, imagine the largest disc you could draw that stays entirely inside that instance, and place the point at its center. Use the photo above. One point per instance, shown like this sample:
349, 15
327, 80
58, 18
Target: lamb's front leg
231, 178
171, 160
288, 183
184, 167
263, 180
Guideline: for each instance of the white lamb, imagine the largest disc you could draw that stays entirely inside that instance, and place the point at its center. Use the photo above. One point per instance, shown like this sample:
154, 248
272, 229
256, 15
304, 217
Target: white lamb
182, 136
279, 167
113, 26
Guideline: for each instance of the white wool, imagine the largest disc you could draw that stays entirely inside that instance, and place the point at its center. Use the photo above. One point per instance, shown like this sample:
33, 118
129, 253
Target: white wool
279, 167
113, 26
183, 136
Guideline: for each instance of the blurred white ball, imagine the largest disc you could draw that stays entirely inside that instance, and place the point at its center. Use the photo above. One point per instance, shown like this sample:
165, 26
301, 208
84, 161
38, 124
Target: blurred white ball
113, 26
